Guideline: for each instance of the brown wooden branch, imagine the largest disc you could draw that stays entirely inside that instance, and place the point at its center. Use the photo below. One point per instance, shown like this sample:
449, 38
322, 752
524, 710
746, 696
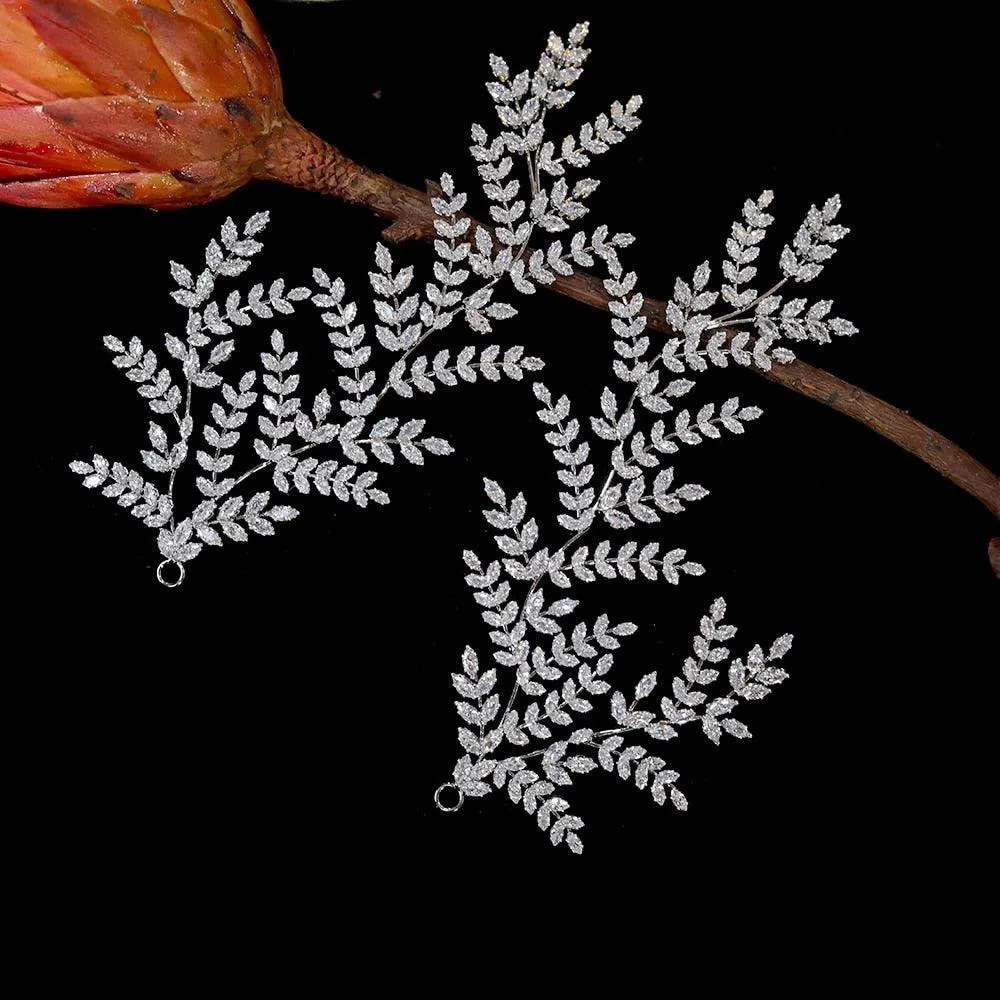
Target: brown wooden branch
298, 157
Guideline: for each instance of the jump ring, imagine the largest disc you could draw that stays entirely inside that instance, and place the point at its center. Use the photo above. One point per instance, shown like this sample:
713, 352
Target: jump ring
164, 580
446, 808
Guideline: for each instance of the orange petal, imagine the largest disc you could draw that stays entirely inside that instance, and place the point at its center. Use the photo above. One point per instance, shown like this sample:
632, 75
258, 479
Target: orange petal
135, 130
8, 170
207, 130
29, 67
10, 97
201, 173
165, 135
259, 61
157, 190
235, 19
127, 7
215, 13
240, 32
104, 46
24, 90
261, 68
203, 59
29, 138
230, 15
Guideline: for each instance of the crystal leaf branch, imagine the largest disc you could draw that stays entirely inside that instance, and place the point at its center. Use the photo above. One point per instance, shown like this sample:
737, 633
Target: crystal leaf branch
526, 722
471, 264
286, 428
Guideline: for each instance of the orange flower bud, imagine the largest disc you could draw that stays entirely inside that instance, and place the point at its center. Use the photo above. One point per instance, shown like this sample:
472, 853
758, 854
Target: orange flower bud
162, 102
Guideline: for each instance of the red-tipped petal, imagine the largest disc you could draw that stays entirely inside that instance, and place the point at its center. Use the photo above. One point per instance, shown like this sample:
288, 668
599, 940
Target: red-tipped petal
28, 138
154, 189
106, 47
202, 58
28, 67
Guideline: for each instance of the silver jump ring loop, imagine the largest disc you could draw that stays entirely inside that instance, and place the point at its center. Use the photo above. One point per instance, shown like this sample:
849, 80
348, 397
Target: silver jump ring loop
446, 808
163, 579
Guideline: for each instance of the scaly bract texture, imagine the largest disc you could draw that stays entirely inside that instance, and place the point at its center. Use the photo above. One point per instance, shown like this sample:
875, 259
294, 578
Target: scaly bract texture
117, 101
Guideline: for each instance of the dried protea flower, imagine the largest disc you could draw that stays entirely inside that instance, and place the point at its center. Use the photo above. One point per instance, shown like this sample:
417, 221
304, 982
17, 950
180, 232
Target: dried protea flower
164, 103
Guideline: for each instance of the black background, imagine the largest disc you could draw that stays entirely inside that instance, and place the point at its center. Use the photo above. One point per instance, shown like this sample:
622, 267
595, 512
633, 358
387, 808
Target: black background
284, 717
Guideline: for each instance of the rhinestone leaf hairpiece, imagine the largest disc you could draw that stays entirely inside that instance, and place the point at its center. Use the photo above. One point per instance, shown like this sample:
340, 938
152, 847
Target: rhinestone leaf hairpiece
547, 710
